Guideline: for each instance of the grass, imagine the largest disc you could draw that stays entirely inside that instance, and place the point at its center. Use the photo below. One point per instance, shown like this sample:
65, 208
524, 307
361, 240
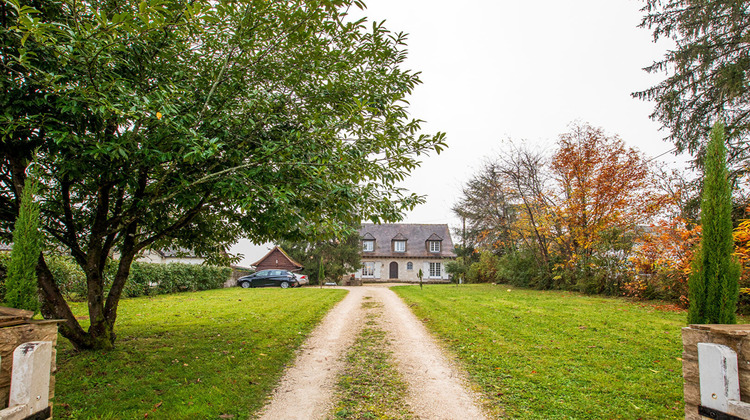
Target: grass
554, 355
213, 354
370, 387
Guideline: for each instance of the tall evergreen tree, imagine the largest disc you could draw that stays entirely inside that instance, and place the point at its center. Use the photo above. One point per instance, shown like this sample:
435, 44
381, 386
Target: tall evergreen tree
714, 282
20, 284
706, 74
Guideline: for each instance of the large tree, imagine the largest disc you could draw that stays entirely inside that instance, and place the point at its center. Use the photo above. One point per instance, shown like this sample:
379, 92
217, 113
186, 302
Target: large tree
602, 186
193, 123
337, 256
707, 73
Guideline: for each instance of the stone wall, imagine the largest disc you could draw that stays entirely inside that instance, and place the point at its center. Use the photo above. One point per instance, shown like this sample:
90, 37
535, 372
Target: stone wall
12, 337
736, 337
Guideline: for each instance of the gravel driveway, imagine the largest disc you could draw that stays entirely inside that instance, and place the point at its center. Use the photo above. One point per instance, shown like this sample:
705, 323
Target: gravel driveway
437, 388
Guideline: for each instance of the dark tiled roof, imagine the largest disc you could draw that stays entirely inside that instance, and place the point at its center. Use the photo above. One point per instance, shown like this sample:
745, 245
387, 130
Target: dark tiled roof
434, 237
416, 236
400, 237
177, 253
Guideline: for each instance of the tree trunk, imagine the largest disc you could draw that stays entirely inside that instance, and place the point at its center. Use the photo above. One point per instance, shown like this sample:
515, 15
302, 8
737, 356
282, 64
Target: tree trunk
54, 306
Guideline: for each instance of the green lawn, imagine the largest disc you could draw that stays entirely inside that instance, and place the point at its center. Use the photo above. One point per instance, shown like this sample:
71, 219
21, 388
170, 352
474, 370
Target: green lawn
550, 354
190, 355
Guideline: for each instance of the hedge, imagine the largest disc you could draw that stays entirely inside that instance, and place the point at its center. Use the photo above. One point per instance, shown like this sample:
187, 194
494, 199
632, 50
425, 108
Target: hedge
145, 278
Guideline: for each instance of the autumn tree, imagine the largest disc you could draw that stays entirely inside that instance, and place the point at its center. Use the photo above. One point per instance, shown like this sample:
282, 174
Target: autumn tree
707, 73
714, 280
525, 172
602, 186
192, 124
507, 211
662, 260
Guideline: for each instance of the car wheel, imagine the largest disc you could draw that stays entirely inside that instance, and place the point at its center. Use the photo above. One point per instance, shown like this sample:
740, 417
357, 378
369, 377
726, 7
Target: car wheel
245, 284
284, 285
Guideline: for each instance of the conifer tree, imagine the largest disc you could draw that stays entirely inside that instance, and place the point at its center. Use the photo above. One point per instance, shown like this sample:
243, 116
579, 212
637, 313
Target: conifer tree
714, 281
20, 284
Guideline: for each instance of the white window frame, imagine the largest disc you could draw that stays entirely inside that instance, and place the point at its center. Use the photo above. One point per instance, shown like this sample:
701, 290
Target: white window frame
368, 269
434, 246
399, 246
435, 270
368, 246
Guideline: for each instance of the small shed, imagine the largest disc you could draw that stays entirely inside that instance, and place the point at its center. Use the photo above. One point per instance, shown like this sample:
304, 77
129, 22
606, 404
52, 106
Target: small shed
278, 260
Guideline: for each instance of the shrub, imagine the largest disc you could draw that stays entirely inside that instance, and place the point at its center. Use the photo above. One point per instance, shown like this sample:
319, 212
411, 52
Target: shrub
145, 278
69, 277
521, 268
743, 302
484, 271
607, 275
4, 258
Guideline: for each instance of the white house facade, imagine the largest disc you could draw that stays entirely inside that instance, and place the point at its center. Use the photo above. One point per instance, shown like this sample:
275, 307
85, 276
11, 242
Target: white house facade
396, 252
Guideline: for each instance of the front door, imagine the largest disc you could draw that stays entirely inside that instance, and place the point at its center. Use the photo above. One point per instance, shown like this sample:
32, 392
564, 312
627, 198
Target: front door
393, 270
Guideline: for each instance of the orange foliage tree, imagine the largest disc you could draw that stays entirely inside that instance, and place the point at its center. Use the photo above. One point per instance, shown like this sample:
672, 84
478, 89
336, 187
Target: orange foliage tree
742, 250
603, 186
661, 264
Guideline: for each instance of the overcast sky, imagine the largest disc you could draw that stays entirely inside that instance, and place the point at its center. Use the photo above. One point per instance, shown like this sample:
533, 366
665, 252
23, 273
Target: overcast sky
495, 70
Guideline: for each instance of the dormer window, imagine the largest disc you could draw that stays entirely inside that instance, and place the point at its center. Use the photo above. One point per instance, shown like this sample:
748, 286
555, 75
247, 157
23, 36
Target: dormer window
368, 242
433, 243
398, 243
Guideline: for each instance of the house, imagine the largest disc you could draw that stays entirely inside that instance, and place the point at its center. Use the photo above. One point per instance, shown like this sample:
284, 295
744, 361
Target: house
170, 255
397, 251
277, 259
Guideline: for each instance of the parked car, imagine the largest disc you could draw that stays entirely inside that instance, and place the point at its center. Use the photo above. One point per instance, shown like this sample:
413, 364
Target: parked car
302, 279
269, 278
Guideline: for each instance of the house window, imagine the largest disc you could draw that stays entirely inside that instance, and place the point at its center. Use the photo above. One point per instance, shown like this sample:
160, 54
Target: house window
368, 269
434, 246
435, 269
368, 246
399, 246
409, 266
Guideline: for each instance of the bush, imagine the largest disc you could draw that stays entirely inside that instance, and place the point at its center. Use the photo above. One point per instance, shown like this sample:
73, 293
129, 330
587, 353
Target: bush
69, 277
4, 258
743, 302
521, 268
145, 278
607, 275
484, 271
